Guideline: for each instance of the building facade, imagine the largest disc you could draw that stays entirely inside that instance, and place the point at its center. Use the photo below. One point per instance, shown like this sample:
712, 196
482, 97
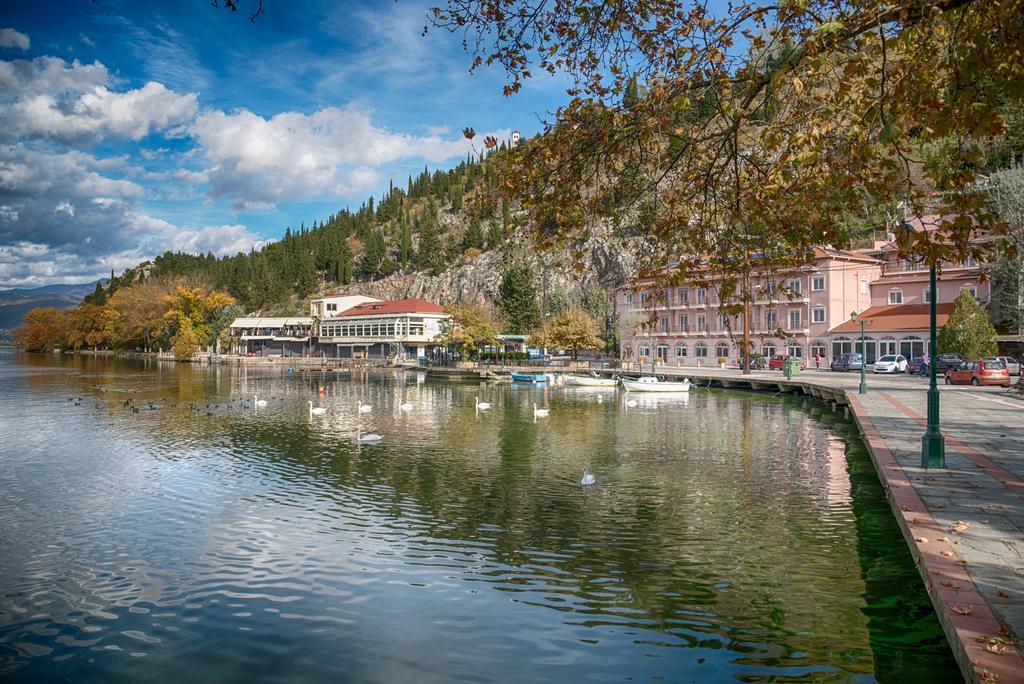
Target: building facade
801, 313
792, 313
366, 328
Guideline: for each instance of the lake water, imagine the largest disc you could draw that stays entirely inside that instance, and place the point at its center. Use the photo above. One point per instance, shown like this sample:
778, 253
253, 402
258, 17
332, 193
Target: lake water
731, 536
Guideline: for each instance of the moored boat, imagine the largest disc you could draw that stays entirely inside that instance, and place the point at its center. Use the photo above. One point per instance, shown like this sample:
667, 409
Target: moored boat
590, 381
652, 384
528, 377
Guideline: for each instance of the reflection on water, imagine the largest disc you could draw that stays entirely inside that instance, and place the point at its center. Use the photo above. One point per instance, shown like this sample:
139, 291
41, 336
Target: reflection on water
163, 523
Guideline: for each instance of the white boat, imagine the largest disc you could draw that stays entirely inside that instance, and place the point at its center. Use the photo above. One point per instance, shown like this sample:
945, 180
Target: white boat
589, 381
651, 384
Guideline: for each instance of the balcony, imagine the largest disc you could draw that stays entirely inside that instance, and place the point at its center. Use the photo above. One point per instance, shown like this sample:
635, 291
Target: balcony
904, 266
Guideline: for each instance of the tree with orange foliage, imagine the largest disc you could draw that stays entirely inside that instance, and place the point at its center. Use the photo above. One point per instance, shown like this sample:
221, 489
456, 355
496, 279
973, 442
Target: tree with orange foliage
42, 329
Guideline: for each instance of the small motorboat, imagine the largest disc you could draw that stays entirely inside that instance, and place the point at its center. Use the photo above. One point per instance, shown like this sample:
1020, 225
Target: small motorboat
589, 381
528, 377
652, 384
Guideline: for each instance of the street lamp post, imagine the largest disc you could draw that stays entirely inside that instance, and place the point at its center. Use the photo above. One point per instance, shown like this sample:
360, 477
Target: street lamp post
933, 445
863, 354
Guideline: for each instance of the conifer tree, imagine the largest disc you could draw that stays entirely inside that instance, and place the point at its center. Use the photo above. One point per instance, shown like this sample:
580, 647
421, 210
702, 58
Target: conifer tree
405, 242
373, 254
474, 236
494, 235
967, 331
517, 299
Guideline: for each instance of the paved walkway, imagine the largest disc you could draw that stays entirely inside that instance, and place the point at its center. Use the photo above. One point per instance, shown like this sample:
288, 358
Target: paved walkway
964, 524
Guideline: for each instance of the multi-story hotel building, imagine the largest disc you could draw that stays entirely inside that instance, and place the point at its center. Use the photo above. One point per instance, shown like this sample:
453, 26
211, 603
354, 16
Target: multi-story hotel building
800, 313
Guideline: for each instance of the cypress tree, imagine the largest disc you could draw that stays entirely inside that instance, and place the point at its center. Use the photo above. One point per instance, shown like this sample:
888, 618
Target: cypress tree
517, 299
474, 236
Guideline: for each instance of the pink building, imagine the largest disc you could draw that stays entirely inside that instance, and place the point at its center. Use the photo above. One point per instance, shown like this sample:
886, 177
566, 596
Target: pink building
793, 313
802, 313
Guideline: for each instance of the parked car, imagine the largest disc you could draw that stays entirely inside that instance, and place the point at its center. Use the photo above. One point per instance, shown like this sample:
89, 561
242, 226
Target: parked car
1012, 367
917, 366
891, 363
979, 373
848, 362
775, 362
945, 362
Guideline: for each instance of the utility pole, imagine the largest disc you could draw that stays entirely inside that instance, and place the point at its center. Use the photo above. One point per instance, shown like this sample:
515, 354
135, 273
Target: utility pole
746, 323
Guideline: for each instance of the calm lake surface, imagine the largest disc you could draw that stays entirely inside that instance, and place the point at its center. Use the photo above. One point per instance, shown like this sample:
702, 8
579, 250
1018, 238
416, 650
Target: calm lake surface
731, 536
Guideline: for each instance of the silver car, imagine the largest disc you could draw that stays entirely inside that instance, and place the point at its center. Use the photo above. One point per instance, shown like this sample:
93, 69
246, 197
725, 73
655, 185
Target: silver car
1011, 363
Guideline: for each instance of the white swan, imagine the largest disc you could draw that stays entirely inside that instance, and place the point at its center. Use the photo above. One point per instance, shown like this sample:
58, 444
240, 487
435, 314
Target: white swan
369, 439
631, 403
588, 479
256, 401
539, 413
365, 408
406, 406
318, 411
481, 405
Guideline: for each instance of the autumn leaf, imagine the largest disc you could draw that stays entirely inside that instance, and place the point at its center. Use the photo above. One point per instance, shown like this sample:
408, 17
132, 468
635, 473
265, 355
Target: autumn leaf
490, 142
960, 526
469, 133
963, 610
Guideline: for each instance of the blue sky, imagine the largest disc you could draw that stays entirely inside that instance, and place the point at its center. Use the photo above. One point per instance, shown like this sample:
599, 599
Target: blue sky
132, 128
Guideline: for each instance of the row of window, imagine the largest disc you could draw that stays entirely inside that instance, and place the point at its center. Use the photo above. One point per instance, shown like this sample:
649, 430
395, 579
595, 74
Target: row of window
399, 328
896, 295
700, 295
771, 321
722, 350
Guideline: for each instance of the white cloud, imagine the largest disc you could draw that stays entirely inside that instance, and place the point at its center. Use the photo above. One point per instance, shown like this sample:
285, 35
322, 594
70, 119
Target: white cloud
87, 40
49, 98
9, 38
291, 156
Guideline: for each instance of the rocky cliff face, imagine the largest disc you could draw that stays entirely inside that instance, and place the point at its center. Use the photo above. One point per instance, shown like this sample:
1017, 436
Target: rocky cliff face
475, 280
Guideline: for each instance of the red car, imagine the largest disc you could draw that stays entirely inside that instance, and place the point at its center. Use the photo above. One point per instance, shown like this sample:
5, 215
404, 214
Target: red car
979, 373
775, 362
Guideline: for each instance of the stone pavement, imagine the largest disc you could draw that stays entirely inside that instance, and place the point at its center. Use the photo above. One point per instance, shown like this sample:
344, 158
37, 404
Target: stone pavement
964, 524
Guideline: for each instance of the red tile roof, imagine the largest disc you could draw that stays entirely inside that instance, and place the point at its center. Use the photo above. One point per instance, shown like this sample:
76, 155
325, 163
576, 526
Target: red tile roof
897, 317
394, 306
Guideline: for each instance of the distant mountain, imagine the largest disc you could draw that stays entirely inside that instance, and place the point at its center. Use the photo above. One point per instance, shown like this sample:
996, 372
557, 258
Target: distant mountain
15, 303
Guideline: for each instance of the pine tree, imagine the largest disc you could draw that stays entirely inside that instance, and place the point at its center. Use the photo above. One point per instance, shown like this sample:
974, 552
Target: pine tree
967, 331
405, 242
474, 236
456, 197
373, 254
517, 299
494, 235
428, 252
346, 269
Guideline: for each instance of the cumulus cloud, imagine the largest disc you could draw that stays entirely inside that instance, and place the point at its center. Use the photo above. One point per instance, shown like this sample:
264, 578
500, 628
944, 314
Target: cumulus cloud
294, 156
9, 38
66, 216
51, 99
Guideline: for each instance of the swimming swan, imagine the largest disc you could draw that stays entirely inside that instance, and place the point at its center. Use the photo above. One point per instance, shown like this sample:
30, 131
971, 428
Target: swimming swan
318, 411
588, 479
539, 413
258, 402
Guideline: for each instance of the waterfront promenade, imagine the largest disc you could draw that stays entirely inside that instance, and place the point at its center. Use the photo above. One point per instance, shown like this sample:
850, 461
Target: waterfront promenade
964, 524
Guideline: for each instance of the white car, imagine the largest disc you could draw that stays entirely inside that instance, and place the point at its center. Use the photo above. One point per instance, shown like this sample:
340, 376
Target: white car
1011, 363
891, 363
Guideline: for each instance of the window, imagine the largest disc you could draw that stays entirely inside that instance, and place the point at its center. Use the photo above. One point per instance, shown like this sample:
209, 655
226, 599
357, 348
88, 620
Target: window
332, 307
644, 350
863, 285
818, 314
795, 350
926, 295
771, 319
702, 323
684, 323
663, 353
895, 296
644, 298
972, 289
721, 320
769, 290
680, 351
722, 350
912, 346
768, 350
663, 324
629, 297
700, 350
794, 285
817, 283
794, 319
684, 295
887, 346
702, 295
818, 348
840, 346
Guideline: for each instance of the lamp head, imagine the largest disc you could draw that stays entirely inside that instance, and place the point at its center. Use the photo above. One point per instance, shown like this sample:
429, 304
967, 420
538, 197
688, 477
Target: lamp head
853, 315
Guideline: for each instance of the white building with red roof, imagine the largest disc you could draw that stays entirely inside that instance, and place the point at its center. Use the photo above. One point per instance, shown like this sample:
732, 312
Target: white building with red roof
366, 328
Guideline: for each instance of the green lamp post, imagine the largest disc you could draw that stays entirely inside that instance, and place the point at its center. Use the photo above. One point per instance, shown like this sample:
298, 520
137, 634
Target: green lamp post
933, 444
863, 353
